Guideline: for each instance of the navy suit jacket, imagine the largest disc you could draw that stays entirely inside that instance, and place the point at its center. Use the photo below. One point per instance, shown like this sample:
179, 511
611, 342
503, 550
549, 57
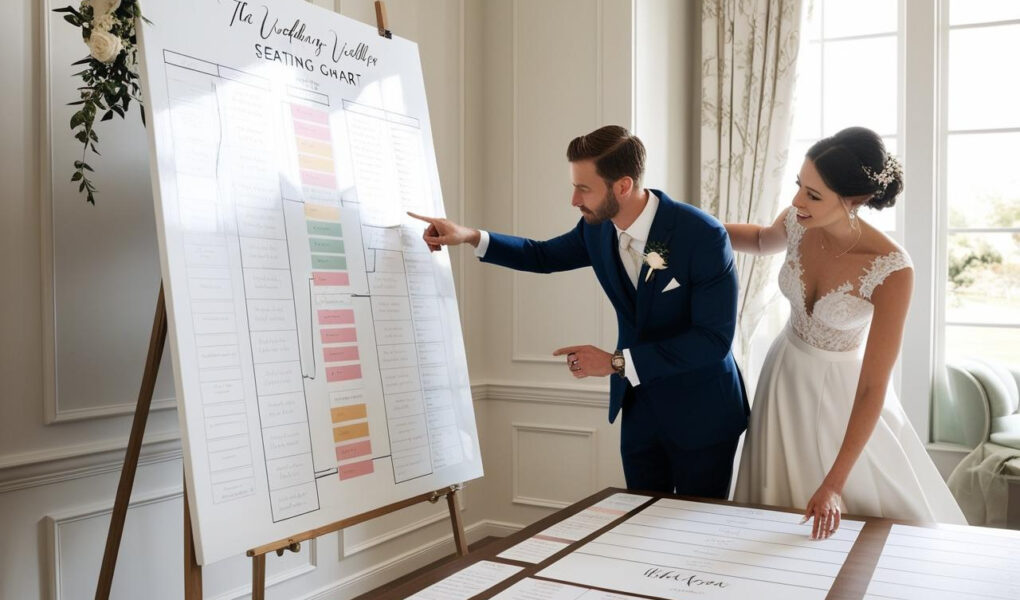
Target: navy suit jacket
679, 340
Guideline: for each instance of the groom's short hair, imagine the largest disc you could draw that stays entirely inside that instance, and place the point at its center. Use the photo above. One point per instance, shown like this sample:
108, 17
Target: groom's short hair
614, 150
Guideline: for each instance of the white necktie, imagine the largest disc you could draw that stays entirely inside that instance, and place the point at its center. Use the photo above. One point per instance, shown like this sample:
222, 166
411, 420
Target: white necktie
628, 258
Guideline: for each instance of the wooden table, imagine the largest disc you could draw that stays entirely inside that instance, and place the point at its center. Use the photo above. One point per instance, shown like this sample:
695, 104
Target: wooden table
850, 584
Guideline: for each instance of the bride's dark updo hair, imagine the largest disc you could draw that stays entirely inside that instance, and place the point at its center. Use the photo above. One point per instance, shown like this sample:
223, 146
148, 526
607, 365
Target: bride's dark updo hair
854, 163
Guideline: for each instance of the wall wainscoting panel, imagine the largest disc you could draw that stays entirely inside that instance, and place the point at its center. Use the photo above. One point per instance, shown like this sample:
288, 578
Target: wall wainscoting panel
537, 481
75, 538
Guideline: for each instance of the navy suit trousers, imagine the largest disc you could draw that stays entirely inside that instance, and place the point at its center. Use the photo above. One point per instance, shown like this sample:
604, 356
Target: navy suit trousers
652, 461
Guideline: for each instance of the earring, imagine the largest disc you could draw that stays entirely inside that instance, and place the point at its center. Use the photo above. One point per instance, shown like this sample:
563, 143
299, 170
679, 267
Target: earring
853, 217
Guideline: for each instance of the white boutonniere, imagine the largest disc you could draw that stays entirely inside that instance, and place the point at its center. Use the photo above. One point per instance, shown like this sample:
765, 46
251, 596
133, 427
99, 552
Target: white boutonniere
655, 258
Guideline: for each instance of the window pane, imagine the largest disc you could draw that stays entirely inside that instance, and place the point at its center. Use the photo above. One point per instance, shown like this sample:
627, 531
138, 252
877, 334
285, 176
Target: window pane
858, 17
811, 21
983, 180
982, 11
860, 84
983, 278
991, 343
807, 116
983, 92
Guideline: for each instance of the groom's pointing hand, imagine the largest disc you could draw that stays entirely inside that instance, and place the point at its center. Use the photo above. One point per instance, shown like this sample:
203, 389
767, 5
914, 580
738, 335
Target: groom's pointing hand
587, 361
443, 232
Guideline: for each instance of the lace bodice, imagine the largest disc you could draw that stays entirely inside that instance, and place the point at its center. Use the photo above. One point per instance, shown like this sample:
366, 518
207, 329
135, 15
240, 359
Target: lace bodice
840, 318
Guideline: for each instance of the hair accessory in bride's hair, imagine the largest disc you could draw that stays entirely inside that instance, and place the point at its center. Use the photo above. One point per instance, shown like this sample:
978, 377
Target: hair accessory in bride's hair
892, 169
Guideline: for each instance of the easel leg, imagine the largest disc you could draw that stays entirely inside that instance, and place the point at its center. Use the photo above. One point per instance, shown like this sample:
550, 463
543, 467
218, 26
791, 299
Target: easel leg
157, 340
192, 570
459, 538
258, 577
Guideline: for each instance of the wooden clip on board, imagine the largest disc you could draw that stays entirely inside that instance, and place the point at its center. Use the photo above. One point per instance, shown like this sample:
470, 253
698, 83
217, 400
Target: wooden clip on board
381, 21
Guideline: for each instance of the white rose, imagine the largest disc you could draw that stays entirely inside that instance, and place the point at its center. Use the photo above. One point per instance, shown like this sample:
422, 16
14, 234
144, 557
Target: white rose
104, 46
104, 7
103, 23
655, 261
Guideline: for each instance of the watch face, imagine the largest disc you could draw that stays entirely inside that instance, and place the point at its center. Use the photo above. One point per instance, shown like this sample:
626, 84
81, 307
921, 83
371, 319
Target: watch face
617, 362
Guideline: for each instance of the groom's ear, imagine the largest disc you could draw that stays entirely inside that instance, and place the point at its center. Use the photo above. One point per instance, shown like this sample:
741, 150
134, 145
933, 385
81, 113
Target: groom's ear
623, 186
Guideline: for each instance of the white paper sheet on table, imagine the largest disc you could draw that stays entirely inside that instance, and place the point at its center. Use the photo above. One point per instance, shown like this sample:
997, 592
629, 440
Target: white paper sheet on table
951, 562
579, 526
467, 582
676, 548
537, 589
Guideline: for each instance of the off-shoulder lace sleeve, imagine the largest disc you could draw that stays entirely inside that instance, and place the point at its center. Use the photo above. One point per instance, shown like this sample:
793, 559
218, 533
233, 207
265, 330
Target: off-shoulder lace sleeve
880, 268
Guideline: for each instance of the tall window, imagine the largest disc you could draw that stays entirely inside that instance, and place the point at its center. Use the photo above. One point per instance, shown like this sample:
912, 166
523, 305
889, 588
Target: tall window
980, 134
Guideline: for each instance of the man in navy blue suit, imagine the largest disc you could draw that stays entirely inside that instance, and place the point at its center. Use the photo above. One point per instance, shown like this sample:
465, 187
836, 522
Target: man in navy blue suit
668, 271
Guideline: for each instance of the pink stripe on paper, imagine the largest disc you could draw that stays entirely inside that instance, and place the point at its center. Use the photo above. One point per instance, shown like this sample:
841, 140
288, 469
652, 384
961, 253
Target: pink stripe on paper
327, 278
607, 511
550, 538
339, 336
340, 354
309, 130
346, 373
318, 178
309, 114
349, 451
343, 316
356, 469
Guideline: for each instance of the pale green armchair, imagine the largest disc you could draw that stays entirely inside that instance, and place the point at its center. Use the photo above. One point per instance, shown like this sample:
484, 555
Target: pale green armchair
981, 410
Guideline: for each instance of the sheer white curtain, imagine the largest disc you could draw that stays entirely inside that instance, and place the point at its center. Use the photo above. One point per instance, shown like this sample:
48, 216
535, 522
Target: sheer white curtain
748, 58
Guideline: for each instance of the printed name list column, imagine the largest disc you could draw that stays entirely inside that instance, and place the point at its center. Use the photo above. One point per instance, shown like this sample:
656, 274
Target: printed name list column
269, 295
195, 127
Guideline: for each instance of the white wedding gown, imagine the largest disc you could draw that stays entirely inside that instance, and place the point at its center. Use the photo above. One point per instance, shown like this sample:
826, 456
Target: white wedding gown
803, 401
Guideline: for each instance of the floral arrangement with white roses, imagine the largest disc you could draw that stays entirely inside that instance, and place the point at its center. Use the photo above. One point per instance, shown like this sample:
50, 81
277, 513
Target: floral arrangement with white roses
110, 77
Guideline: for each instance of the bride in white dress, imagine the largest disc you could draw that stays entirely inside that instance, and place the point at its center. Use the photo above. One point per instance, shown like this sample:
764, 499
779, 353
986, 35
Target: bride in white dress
827, 434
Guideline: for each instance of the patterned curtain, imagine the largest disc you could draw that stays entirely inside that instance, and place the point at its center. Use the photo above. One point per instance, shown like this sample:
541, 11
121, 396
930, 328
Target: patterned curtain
748, 57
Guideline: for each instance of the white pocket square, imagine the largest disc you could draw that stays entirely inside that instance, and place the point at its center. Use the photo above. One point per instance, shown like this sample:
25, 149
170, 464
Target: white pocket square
672, 285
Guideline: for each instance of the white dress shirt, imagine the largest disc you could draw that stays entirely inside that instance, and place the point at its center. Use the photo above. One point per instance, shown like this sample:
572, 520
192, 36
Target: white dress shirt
638, 230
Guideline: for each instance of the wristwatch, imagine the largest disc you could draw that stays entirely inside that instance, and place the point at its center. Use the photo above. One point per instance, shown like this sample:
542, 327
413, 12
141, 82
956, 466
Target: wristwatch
618, 363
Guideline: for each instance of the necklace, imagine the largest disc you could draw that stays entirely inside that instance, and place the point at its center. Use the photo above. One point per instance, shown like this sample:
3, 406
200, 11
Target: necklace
821, 240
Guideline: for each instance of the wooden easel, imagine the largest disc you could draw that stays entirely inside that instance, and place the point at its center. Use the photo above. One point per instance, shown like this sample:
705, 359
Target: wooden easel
192, 570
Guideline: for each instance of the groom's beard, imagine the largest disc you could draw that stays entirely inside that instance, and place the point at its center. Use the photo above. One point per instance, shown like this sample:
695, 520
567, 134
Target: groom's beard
607, 210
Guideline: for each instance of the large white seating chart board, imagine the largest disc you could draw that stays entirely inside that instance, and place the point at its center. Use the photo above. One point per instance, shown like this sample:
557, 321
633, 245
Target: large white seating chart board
316, 342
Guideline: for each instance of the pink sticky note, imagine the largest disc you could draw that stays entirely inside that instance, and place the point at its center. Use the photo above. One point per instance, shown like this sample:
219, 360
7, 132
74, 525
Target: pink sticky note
336, 317
318, 178
331, 278
339, 335
307, 113
340, 354
356, 469
309, 130
349, 451
345, 373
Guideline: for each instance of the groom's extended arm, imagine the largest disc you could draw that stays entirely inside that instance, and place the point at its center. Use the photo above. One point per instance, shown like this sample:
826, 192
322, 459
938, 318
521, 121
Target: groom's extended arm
561, 253
713, 281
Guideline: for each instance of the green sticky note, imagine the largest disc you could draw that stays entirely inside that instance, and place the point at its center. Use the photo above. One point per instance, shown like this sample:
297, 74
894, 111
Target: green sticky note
333, 245
324, 228
329, 261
